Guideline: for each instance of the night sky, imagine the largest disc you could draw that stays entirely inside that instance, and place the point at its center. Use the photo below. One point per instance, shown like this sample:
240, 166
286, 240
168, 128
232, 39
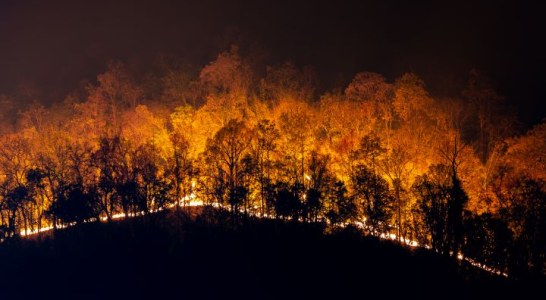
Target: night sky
53, 45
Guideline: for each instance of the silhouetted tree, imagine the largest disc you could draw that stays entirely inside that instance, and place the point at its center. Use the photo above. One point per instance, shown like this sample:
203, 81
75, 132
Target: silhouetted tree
14, 202
225, 152
488, 240
130, 196
155, 190
342, 208
372, 192
287, 200
394, 167
181, 168
455, 209
267, 136
313, 203
74, 205
457, 197
319, 181
527, 216
442, 201
432, 198
107, 160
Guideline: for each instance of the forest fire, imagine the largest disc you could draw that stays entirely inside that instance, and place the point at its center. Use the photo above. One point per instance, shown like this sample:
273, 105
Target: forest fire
190, 201
407, 141
444, 173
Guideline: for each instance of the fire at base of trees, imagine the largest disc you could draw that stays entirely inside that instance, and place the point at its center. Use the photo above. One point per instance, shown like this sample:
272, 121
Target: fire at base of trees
448, 173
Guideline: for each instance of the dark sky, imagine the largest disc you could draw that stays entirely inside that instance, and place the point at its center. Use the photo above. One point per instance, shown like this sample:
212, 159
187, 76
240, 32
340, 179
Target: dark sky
54, 44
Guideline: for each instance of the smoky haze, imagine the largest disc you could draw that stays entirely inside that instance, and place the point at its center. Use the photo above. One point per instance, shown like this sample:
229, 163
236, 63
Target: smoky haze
48, 47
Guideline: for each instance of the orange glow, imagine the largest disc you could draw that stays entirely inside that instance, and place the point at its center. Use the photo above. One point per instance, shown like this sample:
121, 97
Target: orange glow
384, 156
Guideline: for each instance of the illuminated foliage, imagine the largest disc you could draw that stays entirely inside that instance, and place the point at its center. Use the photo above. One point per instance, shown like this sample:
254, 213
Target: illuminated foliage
527, 154
386, 156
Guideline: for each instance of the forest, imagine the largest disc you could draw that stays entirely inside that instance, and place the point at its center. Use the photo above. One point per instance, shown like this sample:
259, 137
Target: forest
457, 175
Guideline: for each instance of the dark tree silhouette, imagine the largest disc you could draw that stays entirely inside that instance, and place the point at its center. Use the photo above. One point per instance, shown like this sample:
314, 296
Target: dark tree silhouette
527, 216
287, 200
372, 192
488, 240
266, 142
75, 205
432, 196
226, 152
343, 208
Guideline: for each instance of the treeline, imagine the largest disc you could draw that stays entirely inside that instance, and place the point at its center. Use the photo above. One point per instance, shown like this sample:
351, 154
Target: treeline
448, 173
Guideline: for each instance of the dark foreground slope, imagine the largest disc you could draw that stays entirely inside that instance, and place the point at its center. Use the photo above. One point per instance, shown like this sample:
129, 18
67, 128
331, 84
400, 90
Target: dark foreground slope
212, 257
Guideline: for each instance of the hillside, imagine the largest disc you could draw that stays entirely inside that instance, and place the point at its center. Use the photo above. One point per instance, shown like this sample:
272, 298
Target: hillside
210, 256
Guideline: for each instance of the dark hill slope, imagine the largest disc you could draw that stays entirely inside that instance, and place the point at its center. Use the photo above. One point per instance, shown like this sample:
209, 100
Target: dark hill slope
213, 257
